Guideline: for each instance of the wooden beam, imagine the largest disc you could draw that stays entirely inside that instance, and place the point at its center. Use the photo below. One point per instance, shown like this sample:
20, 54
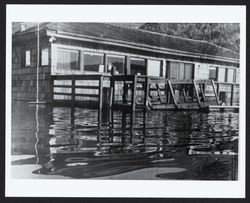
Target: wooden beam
172, 93
215, 93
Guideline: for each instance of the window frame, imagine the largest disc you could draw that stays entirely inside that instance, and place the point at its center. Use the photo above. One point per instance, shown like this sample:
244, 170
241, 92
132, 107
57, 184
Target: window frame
24, 58
116, 56
140, 59
216, 73
94, 53
40, 56
69, 49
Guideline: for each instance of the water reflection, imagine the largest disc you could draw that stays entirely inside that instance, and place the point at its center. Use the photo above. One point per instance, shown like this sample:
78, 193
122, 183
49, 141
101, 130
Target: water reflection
85, 143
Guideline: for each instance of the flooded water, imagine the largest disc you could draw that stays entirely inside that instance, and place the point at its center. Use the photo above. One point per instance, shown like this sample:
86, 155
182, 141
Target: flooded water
64, 142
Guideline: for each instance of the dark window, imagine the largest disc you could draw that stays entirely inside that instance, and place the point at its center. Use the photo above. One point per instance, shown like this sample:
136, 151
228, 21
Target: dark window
44, 57
93, 62
118, 62
138, 66
68, 59
221, 74
181, 71
212, 73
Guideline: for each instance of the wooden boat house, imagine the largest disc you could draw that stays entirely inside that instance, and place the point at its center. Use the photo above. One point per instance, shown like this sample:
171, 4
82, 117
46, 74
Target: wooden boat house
103, 64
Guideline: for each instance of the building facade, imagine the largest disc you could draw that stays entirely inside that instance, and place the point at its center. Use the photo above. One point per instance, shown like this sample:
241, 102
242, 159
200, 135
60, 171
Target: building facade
94, 48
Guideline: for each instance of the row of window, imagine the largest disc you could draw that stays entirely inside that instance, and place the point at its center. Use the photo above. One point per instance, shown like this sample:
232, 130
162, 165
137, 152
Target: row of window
44, 57
94, 62
69, 59
222, 74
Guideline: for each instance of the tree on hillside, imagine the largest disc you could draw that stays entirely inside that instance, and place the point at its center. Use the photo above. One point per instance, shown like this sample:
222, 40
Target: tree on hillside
222, 34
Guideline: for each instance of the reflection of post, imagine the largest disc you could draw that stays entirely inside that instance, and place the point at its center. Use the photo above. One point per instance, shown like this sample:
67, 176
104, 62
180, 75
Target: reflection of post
99, 125
72, 121
145, 132
36, 133
111, 124
124, 123
132, 117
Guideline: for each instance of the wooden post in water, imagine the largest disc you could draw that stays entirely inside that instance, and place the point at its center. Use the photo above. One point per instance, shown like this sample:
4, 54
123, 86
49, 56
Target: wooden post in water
112, 88
100, 92
73, 90
146, 91
232, 95
133, 103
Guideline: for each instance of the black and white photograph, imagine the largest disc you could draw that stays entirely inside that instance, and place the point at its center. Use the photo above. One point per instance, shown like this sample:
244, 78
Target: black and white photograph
127, 100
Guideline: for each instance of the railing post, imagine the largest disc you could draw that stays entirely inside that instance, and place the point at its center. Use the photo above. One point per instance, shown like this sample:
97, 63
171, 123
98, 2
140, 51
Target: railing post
146, 91
73, 89
232, 95
100, 92
133, 103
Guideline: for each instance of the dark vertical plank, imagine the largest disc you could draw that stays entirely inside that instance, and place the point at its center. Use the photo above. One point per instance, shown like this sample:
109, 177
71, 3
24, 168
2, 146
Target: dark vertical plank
218, 89
111, 92
215, 93
125, 91
133, 103
202, 91
197, 94
184, 94
73, 81
172, 93
159, 92
146, 65
232, 95
100, 92
105, 63
146, 91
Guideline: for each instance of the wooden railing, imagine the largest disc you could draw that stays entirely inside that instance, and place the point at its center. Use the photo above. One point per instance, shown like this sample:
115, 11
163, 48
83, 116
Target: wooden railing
70, 87
76, 88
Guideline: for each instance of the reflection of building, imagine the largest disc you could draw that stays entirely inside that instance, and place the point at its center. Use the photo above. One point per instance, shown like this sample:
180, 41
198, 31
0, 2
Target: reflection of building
90, 48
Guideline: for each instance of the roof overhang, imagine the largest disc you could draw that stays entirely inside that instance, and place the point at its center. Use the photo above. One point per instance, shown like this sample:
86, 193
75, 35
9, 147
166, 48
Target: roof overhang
143, 47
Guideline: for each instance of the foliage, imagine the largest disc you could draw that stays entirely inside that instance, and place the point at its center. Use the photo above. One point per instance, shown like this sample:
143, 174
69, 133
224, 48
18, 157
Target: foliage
222, 34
